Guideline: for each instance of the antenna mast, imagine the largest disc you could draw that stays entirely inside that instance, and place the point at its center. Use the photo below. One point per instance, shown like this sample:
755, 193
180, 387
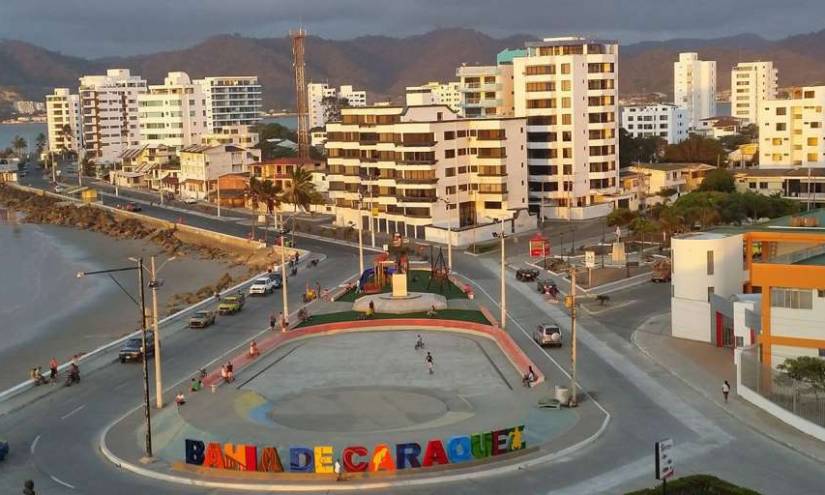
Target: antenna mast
298, 37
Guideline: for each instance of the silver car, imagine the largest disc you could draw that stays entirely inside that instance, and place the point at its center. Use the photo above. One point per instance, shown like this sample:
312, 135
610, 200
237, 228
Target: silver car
548, 334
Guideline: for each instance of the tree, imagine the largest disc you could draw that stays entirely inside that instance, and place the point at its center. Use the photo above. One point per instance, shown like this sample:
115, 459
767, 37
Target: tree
718, 180
806, 369
18, 143
301, 189
730, 143
40, 143
332, 106
751, 132
87, 167
263, 191
696, 149
621, 217
642, 149
274, 132
670, 219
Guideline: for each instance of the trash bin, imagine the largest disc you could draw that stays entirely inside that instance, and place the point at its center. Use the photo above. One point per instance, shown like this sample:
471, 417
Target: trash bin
562, 395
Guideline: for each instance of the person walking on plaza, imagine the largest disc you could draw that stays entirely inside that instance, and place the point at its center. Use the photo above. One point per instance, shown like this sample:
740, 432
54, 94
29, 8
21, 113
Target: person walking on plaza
725, 390
253, 349
272, 321
429, 360
180, 399
53, 370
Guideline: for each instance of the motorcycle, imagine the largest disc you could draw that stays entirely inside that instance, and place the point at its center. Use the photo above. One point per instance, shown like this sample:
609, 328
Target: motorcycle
72, 378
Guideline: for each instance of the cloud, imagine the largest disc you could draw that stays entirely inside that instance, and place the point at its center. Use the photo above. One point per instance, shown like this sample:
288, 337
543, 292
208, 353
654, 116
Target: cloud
93, 28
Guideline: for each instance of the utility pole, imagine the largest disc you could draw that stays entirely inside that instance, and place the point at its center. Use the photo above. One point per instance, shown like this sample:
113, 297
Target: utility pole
154, 284
298, 66
283, 280
146, 410
573, 394
218, 184
503, 285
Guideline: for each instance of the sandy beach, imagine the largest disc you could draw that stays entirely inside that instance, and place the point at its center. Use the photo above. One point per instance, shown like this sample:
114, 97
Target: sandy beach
45, 310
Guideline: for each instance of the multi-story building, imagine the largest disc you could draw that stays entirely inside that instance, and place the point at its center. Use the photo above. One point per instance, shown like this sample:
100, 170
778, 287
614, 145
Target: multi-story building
656, 179
173, 113
803, 184
567, 89
694, 87
418, 170
26, 107
318, 96
753, 285
488, 90
232, 134
792, 130
436, 93
751, 83
201, 165
109, 113
231, 101
63, 121
663, 120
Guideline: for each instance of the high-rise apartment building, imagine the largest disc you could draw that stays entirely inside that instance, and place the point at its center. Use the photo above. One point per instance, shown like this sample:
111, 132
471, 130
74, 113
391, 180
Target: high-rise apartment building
420, 166
318, 94
436, 93
173, 113
694, 87
231, 101
109, 113
791, 132
751, 83
567, 88
663, 120
63, 121
488, 90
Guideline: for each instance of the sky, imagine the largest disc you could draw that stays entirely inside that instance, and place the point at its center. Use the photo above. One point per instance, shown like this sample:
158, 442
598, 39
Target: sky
96, 28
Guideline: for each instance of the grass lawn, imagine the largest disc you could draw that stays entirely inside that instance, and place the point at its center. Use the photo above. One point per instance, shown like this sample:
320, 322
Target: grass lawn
417, 281
444, 314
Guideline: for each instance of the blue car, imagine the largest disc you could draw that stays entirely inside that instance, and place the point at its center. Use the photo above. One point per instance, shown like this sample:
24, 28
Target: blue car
4, 449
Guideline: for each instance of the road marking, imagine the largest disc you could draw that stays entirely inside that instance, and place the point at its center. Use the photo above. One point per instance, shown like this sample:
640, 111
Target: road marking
73, 411
34, 444
58, 480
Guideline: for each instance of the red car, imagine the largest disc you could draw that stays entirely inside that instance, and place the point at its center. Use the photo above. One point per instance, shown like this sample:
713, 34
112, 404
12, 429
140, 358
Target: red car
130, 206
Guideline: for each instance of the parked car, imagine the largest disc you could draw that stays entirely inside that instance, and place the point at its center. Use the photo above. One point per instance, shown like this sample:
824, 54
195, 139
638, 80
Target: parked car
202, 319
59, 189
527, 274
132, 206
190, 201
132, 350
4, 449
548, 334
231, 304
263, 286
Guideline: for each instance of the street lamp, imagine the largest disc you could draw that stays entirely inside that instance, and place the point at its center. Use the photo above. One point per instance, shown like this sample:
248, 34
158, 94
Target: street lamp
360, 248
283, 281
156, 284
142, 305
503, 287
449, 235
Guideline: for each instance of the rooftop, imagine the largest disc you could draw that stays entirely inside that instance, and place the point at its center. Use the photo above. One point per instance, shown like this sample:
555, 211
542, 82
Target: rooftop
668, 166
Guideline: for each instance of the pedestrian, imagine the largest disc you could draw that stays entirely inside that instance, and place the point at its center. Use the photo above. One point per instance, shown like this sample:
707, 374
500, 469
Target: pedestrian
429, 360
272, 321
725, 390
230, 371
253, 349
53, 370
180, 399
196, 385
224, 374
337, 469
28, 487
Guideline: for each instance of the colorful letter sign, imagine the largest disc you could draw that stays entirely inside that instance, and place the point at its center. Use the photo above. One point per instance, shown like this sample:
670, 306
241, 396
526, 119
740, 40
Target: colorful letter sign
320, 459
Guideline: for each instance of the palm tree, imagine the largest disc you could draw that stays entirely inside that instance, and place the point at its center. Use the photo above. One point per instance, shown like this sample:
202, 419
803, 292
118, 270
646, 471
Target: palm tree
266, 192
40, 143
301, 191
18, 144
66, 134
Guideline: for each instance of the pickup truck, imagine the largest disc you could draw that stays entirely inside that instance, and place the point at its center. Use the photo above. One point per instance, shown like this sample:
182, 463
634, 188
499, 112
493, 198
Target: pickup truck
202, 319
231, 304
132, 350
264, 286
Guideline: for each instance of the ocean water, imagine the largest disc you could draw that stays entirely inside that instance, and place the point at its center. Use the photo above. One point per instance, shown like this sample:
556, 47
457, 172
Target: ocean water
28, 131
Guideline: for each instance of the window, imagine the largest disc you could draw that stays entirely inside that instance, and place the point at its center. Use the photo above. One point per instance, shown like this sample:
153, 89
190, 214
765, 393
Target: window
565, 85
449, 135
782, 297
565, 68
820, 293
710, 262
449, 153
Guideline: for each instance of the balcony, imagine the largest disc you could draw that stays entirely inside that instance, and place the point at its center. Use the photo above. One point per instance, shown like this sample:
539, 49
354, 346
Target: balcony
402, 198
426, 181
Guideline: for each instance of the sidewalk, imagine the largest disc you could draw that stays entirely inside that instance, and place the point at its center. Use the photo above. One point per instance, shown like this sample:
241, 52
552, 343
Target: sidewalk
703, 367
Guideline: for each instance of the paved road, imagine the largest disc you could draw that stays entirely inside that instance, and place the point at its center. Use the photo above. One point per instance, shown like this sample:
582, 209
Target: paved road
645, 402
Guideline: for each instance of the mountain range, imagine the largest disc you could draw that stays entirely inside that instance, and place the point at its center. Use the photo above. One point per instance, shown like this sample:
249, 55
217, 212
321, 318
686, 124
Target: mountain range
385, 65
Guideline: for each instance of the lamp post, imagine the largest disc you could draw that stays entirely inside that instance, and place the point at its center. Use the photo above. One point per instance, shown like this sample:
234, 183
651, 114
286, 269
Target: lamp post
573, 401
283, 280
360, 248
156, 284
501, 236
449, 235
142, 306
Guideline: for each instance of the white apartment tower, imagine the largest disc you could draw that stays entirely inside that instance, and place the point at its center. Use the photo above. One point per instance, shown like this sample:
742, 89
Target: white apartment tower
317, 92
109, 113
436, 93
231, 101
173, 113
567, 88
63, 121
751, 84
663, 120
694, 87
791, 131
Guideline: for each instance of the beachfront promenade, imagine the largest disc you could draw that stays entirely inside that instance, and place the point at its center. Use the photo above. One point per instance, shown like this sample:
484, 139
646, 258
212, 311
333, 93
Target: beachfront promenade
54, 440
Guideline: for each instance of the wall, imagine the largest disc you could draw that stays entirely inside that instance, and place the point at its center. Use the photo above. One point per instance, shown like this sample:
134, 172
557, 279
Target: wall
690, 278
577, 213
481, 233
690, 319
740, 329
801, 323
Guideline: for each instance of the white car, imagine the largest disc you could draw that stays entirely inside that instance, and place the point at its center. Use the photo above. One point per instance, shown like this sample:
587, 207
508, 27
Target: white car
262, 287
548, 334
190, 201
